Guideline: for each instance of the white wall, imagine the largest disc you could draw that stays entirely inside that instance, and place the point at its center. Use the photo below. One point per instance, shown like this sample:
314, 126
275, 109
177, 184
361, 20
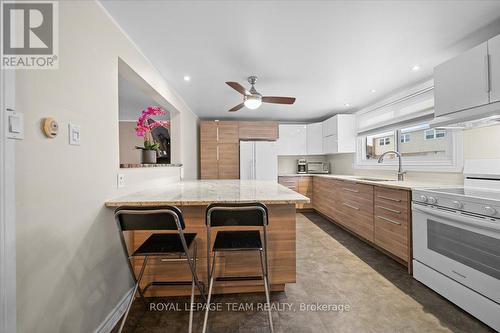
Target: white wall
479, 143
71, 271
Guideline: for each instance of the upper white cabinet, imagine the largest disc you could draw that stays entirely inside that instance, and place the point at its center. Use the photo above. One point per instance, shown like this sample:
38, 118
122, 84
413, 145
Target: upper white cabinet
339, 134
494, 57
292, 139
469, 80
314, 139
330, 126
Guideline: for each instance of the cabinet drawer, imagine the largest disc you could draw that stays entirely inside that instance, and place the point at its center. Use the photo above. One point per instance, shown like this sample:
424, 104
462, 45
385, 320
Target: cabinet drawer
392, 214
355, 190
391, 196
392, 236
290, 182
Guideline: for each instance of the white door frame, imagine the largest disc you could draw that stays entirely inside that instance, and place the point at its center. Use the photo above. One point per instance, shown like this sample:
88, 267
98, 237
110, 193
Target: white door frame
7, 209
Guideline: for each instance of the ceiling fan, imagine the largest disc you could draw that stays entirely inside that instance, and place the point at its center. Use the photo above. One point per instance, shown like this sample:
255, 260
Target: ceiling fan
252, 99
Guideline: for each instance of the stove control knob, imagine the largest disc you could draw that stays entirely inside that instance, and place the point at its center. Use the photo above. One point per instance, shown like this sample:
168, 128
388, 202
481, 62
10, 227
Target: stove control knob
457, 204
432, 200
423, 198
490, 210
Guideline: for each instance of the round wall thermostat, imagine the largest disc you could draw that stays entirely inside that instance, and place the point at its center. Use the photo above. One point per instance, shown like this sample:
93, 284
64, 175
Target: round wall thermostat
50, 127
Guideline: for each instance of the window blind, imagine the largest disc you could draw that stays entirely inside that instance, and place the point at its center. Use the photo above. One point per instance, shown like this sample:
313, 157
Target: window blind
404, 111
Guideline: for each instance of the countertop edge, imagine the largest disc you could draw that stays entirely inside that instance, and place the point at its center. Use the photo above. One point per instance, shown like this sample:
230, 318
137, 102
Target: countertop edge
387, 184
114, 204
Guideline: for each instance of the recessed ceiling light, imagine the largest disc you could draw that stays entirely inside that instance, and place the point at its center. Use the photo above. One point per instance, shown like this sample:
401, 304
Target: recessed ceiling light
415, 68
373, 91
187, 78
347, 104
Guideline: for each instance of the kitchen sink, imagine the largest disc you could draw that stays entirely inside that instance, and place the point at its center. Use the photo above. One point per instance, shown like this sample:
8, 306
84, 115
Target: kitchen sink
375, 179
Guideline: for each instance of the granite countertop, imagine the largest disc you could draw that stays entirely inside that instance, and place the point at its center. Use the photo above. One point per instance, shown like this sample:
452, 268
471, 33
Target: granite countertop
204, 192
156, 165
392, 183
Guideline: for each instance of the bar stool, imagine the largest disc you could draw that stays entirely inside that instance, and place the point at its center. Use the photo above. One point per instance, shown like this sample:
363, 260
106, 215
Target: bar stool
173, 246
237, 215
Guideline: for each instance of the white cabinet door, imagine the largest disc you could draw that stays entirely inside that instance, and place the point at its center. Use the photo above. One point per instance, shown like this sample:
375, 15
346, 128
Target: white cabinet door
461, 83
346, 135
330, 126
330, 144
292, 139
494, 53
314, 139
266, 161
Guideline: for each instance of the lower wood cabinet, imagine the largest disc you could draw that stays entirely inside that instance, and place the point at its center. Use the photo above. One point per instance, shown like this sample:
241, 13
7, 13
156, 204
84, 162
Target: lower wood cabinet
379, 215
392, 216
300, 184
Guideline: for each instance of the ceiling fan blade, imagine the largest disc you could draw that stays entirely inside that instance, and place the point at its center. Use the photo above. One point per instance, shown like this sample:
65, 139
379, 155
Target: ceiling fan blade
237, 107
278, 100
238, 87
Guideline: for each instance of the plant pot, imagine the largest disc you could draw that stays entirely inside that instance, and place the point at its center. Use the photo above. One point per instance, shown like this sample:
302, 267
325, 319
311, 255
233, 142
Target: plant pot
148, 156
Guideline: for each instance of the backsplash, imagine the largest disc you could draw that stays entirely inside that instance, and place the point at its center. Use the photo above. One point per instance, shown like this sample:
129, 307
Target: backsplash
288, 164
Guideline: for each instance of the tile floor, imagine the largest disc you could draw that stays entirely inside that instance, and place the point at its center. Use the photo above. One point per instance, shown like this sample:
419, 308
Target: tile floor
335, 268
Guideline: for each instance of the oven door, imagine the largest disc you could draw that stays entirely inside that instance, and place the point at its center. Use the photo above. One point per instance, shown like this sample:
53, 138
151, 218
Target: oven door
463, 247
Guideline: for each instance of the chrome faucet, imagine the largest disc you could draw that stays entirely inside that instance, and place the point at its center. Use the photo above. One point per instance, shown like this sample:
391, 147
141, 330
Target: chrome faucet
400, 168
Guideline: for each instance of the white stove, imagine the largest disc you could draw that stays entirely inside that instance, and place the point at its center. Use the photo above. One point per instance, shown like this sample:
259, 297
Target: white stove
456, 240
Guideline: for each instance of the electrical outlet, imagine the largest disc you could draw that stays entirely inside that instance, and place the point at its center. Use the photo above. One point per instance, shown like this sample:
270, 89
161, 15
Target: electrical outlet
121, 180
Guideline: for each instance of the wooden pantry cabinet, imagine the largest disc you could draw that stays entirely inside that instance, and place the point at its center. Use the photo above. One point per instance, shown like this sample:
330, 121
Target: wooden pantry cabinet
219, 150
220, 145
379, 215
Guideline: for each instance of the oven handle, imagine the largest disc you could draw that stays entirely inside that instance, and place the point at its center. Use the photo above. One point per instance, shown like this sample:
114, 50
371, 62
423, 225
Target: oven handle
476, 222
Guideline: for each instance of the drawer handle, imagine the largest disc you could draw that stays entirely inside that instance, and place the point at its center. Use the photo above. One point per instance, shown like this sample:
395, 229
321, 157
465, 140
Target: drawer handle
387, 198
350, 190
388, 220
350, 206
390, 210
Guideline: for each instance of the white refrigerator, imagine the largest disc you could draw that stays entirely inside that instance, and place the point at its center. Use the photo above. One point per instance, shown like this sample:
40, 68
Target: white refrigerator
258, 160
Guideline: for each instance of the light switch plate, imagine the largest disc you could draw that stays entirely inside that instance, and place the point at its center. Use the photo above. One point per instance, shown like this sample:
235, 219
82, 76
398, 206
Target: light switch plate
15, 124
74, 134
121, 180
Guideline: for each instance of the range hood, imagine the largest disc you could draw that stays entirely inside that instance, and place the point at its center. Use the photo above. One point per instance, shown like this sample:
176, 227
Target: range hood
480, 116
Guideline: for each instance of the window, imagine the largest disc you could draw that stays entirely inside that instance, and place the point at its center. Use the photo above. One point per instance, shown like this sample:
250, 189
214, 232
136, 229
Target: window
421, 148
376, 145
405, 138
434, 134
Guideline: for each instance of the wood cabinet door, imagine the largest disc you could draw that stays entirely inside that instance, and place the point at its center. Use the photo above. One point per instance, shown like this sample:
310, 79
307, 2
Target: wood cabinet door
462, 82
258, 130
229, 161
228, 132
494, 54
208, 160
208, 150
208, 131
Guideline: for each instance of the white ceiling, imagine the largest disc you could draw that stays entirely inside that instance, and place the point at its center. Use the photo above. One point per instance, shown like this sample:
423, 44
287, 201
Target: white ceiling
324, 53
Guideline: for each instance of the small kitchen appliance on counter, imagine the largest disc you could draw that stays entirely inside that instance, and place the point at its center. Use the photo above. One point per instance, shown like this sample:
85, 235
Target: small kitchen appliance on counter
456, 240
301, 166
318, 167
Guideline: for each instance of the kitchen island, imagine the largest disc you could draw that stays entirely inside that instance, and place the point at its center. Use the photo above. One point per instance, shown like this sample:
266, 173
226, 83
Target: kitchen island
193, 197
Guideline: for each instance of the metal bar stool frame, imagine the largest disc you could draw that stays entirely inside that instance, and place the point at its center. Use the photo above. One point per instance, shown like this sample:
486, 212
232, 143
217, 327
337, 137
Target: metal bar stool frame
191, 260
262, 253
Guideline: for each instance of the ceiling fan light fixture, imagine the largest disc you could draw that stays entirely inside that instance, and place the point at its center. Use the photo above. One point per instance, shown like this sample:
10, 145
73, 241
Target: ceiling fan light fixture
253, 101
